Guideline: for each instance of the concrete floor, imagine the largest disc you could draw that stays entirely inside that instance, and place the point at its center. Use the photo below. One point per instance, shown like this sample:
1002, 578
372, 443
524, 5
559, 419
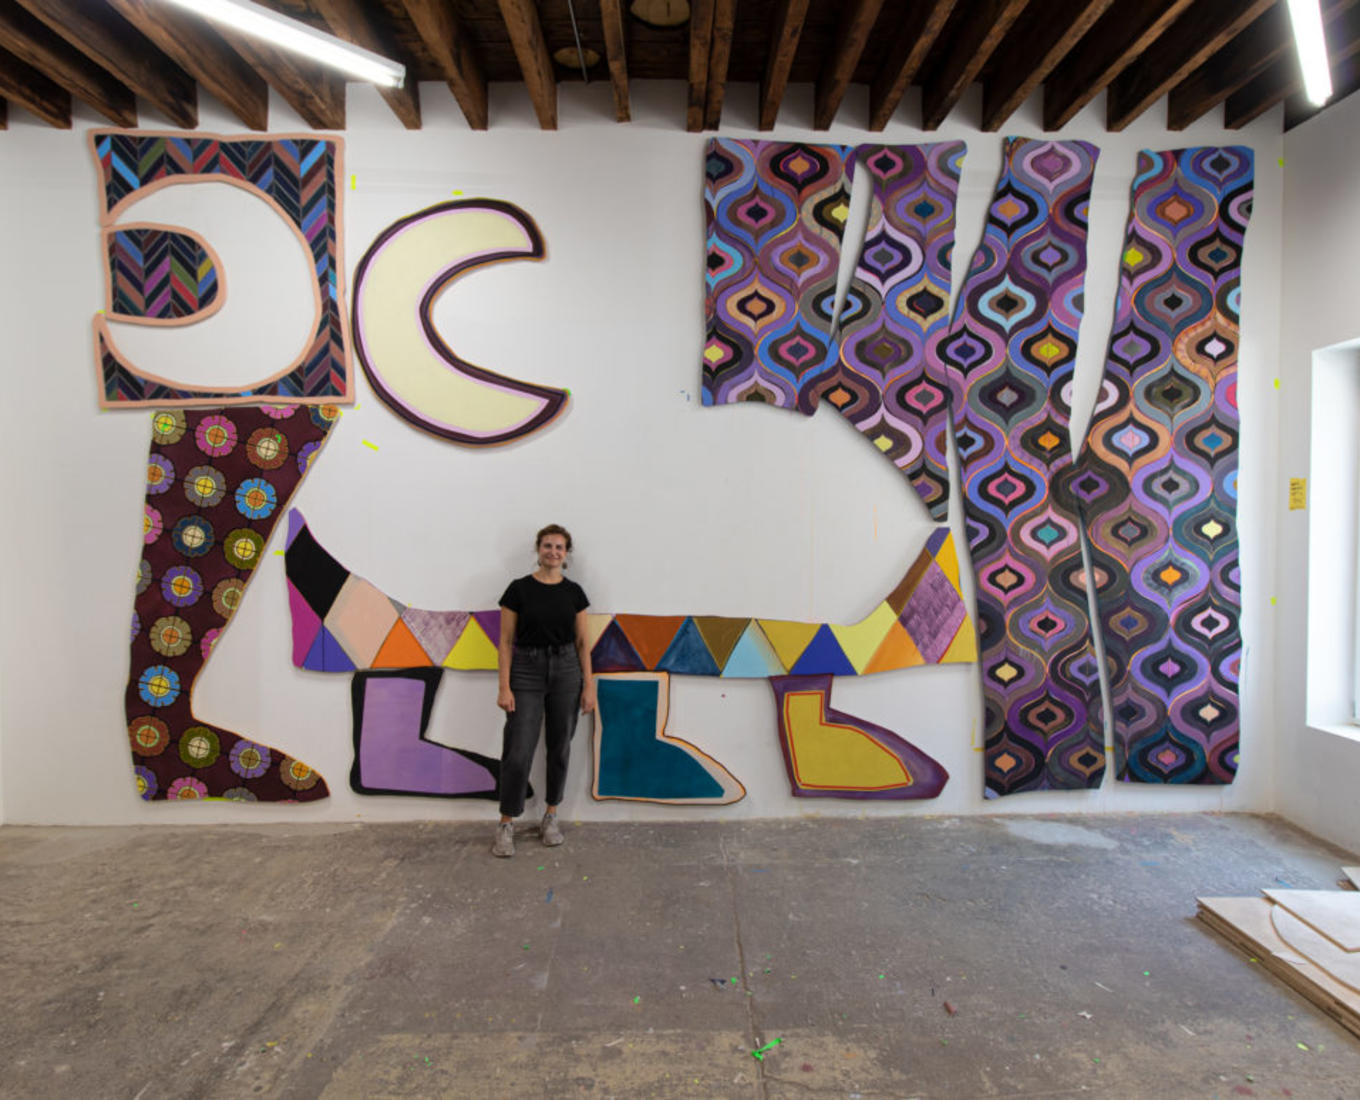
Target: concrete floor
916, 957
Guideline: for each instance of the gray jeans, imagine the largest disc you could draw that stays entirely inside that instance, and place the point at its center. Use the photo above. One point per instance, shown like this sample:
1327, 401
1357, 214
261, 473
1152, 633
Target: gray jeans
546, 683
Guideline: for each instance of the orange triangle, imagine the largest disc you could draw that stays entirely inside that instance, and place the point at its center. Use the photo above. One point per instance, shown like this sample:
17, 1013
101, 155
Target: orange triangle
400, 650
651, 635
897, 651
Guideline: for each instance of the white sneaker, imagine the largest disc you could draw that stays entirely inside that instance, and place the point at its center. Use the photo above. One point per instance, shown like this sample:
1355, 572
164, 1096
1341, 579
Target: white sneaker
504, 844
552, 835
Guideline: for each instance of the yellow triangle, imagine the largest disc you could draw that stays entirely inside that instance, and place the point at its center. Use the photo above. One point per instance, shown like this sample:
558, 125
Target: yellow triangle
948, 560
964, 646
861, 641
473, 650
788, 639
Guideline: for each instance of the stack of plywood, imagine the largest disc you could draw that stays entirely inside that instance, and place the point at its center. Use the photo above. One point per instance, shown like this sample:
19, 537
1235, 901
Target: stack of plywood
1310, 939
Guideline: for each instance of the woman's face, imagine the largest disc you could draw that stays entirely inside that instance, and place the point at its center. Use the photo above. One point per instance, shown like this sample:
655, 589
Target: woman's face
552, 550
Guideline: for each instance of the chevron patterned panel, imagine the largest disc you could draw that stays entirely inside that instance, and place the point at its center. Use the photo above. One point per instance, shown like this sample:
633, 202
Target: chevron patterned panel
297, 175
160, 274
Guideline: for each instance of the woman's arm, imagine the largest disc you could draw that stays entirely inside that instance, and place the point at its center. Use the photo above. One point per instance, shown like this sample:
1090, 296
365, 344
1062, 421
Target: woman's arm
505, 651
587, 677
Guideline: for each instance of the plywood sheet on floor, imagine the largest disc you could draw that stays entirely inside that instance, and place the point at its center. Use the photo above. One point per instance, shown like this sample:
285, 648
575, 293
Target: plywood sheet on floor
1334, 913
1246, 922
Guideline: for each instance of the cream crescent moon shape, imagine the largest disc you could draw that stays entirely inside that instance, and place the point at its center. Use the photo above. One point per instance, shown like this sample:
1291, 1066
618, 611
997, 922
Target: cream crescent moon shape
410, 366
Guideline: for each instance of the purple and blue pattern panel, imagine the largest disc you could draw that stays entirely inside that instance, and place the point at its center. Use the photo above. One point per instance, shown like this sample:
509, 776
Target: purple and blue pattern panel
896, 312
775, 214
1009, 359
1157, 478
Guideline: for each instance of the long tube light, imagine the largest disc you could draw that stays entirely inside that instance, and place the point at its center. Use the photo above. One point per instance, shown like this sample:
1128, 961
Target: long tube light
292, 34
1306, 18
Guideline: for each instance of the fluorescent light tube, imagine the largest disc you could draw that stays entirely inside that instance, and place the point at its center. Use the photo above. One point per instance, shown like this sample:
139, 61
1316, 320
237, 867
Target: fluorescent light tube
291, 34
1306, 18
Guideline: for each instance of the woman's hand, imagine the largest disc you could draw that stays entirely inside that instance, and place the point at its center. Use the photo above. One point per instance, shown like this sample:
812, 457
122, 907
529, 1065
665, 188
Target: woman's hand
588, 696
505, 699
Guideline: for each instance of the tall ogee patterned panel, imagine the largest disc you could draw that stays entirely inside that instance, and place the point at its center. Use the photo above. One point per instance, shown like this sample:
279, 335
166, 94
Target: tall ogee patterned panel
1009, 359
1158, 475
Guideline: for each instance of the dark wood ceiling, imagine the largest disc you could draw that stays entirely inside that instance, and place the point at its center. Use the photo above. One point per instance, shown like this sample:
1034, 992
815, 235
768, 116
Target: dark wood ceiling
1230, 56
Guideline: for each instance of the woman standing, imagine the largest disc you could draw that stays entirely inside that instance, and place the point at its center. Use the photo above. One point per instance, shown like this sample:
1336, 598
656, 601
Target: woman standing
544, 666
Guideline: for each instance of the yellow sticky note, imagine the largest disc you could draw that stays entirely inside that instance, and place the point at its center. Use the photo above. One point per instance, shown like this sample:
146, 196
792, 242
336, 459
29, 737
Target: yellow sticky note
1298, 493
353, 182
370, 443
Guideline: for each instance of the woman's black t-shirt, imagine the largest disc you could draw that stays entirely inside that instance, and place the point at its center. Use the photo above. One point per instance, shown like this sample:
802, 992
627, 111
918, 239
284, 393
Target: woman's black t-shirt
547, 612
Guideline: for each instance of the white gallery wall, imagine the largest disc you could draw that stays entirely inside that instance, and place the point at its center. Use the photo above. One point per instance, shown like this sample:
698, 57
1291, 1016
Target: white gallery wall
675, 508
1317, 746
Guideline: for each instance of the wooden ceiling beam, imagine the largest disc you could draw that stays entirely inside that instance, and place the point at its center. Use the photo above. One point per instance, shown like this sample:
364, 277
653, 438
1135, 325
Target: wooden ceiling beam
979, 31
905, 59
314, 92
192, 45
112, 44
785, 31
1282, 79
452, 50
355, 23
1205, 28
719, 54
834, 79
1244, 58
41, 97
535, 64
616, 50
33, 43
1026, 63
1114, 43
700, 45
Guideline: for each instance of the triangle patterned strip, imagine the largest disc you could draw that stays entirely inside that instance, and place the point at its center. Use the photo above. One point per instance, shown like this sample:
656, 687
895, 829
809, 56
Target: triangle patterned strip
651, 635
789, 639
401, 649
822, 655
753, 657
473, 651
720, 634
688, 654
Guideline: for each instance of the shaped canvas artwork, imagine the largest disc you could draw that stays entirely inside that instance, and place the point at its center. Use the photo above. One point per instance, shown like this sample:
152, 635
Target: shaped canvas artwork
344, 623
159, 275
296, 175
1009, 359
1157, 481
422, 379
217, 481
776, 213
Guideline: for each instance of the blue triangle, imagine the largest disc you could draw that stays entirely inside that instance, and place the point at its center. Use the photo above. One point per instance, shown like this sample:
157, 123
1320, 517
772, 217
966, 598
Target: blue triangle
316, 656
688, 653
822, 655
753, 657
614, 652
326, 655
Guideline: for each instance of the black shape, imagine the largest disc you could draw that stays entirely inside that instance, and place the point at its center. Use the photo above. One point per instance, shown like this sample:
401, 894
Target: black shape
316, 575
